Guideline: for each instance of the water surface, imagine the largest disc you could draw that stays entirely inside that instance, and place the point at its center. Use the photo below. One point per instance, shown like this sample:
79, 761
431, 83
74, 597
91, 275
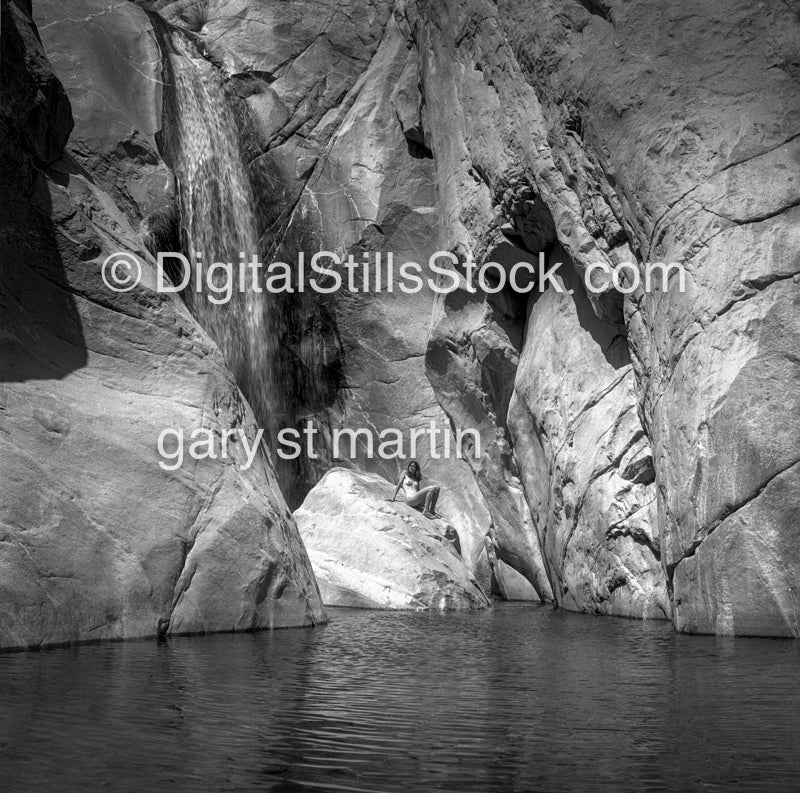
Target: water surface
518, 698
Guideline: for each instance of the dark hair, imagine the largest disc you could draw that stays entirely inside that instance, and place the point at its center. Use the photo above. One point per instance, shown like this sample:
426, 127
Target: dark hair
418, 475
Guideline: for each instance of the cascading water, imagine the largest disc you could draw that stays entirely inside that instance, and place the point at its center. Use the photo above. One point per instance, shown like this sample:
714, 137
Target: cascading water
218, 221
283, 349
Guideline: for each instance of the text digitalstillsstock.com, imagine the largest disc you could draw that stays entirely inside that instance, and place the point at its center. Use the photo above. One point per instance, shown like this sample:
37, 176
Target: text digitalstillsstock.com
205, 443
378, 272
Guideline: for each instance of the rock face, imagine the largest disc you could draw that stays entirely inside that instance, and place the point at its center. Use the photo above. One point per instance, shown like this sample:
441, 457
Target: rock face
106, 56
697, 165
639, 446
619, 131
368, 552
97, 541
586, 460
569, 418
471, 361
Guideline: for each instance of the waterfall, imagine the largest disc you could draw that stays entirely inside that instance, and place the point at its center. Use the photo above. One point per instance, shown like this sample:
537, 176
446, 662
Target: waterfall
283, 349
218, 221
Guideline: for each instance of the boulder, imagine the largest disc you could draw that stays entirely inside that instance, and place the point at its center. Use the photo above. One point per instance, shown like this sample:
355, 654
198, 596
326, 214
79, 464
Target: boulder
369, 552
512, 585
503, 580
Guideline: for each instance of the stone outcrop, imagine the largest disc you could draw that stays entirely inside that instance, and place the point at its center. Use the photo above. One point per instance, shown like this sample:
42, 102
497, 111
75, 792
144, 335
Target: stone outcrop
97, 541
370, 552
524, 366
706, 176
499, 578
471, 362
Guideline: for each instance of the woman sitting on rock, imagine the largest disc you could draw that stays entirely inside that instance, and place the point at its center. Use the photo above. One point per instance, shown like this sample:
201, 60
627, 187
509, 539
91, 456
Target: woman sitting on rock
409, 481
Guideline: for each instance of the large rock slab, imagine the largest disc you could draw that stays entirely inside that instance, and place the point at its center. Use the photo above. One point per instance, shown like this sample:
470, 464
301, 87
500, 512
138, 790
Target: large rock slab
374, 190
368, 552
471, 362
586, 462
97, 541
503, 200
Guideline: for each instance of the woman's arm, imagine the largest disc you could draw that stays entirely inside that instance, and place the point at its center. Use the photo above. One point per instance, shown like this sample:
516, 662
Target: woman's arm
397, 489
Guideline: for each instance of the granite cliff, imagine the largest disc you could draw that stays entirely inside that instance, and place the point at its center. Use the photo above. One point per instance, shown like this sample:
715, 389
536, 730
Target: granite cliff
639, 449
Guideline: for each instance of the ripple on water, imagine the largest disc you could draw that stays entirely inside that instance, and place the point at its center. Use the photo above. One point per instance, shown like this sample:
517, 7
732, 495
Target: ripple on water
518, 698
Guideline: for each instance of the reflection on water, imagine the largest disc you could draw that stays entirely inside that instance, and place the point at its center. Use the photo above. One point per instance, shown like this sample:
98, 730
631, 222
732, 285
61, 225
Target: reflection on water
519, 698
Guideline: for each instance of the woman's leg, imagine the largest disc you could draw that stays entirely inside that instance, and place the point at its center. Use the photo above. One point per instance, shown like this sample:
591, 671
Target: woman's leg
431, 498
420, 497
